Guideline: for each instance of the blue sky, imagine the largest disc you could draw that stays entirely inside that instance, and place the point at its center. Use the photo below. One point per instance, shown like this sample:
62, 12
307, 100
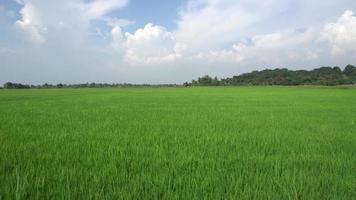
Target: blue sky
156, 41
152, 11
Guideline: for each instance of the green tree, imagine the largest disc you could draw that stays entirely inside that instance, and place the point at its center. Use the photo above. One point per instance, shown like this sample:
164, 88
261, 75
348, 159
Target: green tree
350, 70
205, 81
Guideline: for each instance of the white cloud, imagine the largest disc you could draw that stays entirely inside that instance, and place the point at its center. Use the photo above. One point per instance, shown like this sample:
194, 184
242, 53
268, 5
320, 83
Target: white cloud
99, 8
207, 28
278, 48
209, 24
70, 18
31, 24
206, 25
150, 45
342, 34
113, 22
118, 38
154, 45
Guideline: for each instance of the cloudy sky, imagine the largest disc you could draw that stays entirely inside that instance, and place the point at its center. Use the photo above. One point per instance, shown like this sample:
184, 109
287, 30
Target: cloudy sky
160, 41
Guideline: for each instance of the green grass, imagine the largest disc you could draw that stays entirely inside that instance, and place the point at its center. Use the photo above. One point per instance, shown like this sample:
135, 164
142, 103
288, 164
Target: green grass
178, 143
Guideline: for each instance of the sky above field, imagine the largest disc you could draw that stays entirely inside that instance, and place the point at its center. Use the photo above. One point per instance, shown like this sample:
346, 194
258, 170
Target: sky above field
161, 41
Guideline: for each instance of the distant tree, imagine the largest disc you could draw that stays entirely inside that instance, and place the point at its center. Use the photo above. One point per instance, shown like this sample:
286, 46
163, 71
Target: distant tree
205, 81
46, 85
194, 82
92, 85
60, 85
215, 81
350, 70
319, 76
186, 84
10, 85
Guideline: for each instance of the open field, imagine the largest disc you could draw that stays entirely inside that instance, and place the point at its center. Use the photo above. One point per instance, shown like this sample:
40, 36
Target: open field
178, 143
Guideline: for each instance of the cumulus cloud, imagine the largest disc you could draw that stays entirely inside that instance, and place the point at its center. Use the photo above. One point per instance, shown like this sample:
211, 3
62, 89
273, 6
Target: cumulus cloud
342, 34
118, 38
210, 24
67, 17
154, 45
226, 31
31, 23
279, 48
269, 49
150, 45
206, 25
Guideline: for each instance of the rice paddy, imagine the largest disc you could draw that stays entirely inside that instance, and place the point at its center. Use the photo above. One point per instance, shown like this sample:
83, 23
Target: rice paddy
178, 143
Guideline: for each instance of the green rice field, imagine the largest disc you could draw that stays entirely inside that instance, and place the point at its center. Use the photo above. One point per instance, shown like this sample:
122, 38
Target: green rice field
178, 143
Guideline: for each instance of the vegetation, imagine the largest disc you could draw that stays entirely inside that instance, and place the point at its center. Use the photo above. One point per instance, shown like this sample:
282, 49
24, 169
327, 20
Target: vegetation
15, 86
321, 76
350, 71
10, 85
178, 143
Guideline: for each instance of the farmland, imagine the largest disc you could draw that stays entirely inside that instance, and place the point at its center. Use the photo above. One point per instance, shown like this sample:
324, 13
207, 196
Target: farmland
178, 143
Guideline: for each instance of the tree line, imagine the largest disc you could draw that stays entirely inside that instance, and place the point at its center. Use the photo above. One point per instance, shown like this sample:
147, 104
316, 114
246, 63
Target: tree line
328, 76
10, 85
